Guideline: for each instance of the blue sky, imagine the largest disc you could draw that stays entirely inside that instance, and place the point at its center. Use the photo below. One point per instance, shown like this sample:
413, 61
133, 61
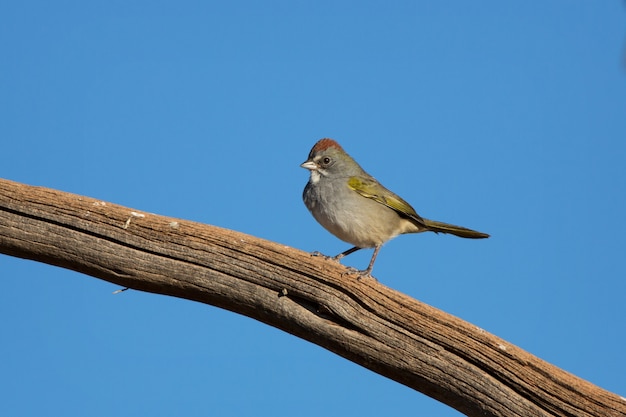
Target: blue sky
506, 117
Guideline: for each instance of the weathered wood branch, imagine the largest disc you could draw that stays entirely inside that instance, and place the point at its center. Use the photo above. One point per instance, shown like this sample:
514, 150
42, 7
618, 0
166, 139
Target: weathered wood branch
362, 320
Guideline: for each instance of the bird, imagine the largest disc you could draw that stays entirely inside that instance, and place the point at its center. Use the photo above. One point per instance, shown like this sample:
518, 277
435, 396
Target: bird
356, 208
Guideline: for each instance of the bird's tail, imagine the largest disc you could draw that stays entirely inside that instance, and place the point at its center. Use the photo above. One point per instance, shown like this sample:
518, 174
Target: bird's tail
440, 227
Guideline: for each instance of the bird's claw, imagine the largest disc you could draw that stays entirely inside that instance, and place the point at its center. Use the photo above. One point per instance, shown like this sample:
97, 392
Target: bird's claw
360, 273
321, 255
365, 274
330, 258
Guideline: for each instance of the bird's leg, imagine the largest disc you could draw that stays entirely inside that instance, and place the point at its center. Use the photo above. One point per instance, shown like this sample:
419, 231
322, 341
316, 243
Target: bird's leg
346, 253
368, 272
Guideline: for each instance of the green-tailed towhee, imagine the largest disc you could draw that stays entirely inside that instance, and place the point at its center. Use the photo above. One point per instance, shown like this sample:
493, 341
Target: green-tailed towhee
356, 208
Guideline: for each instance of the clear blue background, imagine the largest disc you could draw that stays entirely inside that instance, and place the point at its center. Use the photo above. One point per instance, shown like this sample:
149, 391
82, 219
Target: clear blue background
507, 117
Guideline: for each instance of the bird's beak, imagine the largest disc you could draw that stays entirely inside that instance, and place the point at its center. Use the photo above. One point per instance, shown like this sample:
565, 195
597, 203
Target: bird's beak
310, 165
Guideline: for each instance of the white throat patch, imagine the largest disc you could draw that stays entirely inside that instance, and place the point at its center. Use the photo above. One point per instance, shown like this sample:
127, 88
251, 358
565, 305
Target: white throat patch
315, 176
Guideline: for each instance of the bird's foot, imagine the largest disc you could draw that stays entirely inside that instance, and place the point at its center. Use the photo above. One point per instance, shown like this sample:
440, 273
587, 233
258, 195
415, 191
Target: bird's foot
360, 273
365, 274
321, 255
329, 258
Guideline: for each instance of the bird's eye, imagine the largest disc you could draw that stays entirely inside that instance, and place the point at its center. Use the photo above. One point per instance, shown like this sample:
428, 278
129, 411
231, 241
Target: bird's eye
326, 160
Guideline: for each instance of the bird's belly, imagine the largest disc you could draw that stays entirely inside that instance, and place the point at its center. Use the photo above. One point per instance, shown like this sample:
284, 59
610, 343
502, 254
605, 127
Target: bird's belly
362, 222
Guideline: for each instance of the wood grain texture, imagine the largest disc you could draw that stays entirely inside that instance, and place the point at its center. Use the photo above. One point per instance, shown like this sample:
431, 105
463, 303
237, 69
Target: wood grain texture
311, 297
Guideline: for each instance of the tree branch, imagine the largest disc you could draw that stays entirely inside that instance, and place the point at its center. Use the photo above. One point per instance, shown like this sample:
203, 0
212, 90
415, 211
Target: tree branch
310, 297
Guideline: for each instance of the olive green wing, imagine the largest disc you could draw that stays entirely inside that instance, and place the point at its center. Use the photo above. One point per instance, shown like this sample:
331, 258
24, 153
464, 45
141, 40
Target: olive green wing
372, 189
